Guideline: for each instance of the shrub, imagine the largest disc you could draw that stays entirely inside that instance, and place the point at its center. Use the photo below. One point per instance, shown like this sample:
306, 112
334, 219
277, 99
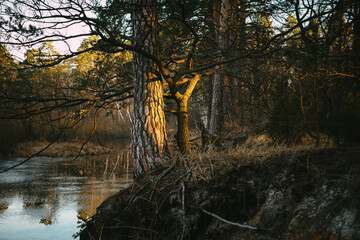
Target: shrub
343, 124
11, 134
285, 120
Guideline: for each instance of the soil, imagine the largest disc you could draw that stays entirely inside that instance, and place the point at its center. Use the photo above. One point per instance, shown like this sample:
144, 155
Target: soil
311, 194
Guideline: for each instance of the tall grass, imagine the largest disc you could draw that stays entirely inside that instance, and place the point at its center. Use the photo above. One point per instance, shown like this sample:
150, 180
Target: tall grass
107, 127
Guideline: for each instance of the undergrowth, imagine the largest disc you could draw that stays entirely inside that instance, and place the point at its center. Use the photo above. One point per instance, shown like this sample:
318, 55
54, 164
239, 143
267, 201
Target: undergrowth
255, 148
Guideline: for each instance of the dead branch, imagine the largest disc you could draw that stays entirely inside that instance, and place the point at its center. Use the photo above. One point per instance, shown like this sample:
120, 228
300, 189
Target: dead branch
229, 222
158, 178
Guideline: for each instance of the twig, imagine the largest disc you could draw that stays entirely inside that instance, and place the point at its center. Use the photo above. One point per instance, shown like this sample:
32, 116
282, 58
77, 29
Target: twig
187, 169
183, 196
117, 161
158, 178
229, 222
27, 159
91, 134
194, 139
100, 143
106, 166
171, 167
183, 208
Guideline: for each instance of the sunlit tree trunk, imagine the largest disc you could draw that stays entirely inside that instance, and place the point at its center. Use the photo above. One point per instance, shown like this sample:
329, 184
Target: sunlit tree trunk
217, 112
149, 126
182, 135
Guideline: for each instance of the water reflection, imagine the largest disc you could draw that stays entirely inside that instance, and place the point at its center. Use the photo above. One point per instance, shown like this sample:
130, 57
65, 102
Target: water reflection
44, 198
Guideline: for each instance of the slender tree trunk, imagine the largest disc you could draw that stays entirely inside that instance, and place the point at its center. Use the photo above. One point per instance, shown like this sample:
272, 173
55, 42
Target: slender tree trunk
356, 37
149, 126
217, 112
356, 43
241, 49
182, 136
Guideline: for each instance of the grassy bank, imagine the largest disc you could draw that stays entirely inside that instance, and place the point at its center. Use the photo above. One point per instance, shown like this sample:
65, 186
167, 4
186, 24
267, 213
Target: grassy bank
57, 149
28, 136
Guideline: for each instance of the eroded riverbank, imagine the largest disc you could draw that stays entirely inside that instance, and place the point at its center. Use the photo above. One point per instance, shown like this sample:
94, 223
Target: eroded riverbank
309, 194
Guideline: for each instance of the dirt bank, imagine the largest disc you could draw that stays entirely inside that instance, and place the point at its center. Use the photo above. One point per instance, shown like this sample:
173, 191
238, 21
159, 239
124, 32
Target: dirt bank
310, 194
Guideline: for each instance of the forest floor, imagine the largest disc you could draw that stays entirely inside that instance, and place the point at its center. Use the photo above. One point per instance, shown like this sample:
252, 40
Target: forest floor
251, 192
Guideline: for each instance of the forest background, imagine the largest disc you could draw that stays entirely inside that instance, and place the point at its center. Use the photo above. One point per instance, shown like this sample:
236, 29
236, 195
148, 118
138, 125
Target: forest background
292, 67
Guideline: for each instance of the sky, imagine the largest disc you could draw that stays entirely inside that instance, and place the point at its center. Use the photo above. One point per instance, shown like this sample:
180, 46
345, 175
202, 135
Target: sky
61, 47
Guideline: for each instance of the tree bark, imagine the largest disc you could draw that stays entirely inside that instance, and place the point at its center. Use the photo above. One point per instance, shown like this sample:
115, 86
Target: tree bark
182, 136
149, 126
217, 113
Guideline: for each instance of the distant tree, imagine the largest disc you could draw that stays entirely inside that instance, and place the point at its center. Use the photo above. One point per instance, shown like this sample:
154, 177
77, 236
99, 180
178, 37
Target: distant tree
7, 65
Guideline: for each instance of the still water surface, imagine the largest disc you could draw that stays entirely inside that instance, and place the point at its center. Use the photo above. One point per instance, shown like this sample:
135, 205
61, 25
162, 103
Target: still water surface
45, 198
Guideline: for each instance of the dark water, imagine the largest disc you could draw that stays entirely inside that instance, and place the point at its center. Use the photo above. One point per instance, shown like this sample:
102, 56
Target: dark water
46, 197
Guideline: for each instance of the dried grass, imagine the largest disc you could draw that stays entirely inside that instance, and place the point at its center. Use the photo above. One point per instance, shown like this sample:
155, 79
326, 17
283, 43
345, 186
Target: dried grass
107, 128
262, 147
58, 149
255, 148
19, 137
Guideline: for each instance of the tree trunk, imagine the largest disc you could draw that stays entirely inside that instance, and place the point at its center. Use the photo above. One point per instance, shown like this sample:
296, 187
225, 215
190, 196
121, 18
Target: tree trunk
217, 110
149, 126
240, 23
217, 116
356, 37
182, 136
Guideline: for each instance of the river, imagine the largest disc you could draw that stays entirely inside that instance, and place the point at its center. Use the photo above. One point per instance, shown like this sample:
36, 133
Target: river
48, 198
